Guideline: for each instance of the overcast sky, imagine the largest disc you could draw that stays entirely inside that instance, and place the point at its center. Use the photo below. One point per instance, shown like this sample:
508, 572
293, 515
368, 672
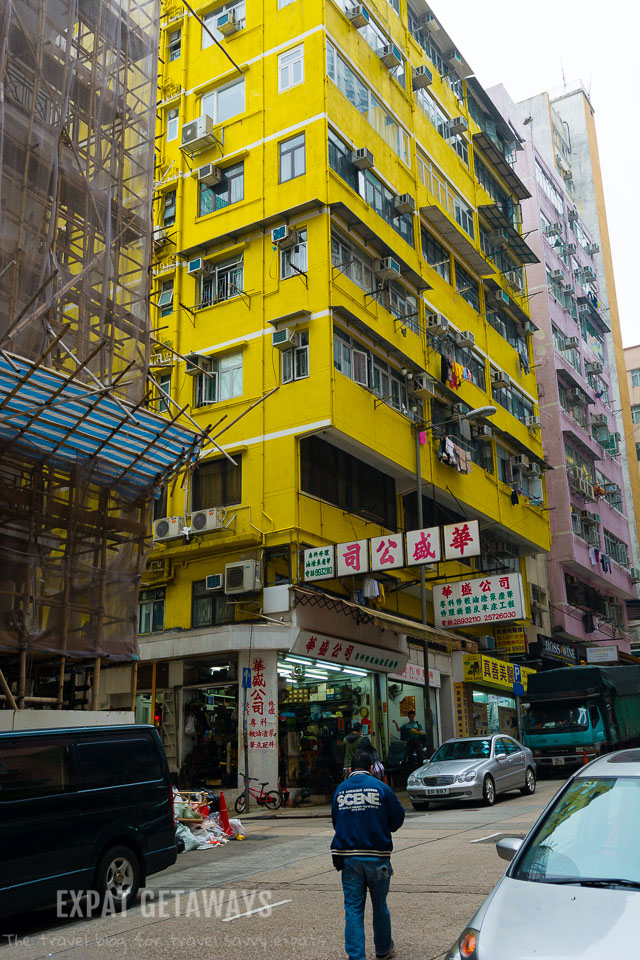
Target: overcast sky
537, 45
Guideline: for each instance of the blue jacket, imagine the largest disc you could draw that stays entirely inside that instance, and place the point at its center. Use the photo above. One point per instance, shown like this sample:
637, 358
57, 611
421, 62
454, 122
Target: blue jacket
365, 812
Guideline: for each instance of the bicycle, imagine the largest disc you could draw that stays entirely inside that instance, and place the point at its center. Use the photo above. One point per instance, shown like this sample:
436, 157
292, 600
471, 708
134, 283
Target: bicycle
272, 799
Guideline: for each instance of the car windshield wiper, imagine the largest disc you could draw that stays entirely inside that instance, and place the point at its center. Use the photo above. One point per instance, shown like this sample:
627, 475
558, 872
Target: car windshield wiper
596, 882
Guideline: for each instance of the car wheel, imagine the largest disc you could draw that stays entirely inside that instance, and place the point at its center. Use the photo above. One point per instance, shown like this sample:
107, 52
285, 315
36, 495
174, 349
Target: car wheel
529, 783
420, 804
489, 791
117, 878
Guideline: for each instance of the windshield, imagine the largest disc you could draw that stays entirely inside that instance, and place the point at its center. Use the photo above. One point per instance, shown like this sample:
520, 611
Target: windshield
463, 750
589, 834
556, 718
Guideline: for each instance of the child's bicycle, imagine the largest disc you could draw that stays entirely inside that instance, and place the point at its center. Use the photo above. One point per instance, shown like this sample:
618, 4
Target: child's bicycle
272, 799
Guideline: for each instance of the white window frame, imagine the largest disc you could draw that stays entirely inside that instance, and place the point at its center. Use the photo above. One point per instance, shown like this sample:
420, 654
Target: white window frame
209, 101
173, 124
225, 381
295, 256
287, 63
210, 19
293, 152
174, 40
295, 362
164, 383
215, 272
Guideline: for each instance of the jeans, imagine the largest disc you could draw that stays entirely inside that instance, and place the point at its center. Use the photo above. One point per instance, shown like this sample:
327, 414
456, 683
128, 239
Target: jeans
359, 875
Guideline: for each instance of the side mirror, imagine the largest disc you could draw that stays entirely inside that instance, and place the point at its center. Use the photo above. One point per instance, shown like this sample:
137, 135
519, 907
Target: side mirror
501, 756
507, 847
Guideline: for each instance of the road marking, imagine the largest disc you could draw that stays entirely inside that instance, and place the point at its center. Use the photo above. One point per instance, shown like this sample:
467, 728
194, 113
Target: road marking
269, 906
482, 839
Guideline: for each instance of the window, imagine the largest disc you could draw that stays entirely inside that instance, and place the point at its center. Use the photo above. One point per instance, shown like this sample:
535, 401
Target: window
359, 95
29, 769
382, 200
295, 362
635, 413
514, 401
437, 256
376, 38
223, 381
549, 189
351, 261
209, 607
283, 3
165, 300
224, 102
439, 119
217, 483
174, 45
151, 610
113, 762
340, 161
292, 159
635, 377
220, 195
350, 484
169, 208
222, 281
445, 195
638, 451
358, 363
293, 260
236, 7
172, 124
291, 68
467, 287
164, 383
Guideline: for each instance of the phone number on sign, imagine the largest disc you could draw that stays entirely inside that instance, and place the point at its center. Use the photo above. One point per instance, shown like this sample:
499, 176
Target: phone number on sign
465, 621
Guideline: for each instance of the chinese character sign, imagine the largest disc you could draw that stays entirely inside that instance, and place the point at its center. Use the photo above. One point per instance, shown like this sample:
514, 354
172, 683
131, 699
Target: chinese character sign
352, 557
333, 649
387, 552
474, 602
423, 546
319, 563
461, 540
476, 668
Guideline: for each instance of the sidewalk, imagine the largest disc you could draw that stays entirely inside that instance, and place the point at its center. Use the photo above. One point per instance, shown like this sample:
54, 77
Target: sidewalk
306, 811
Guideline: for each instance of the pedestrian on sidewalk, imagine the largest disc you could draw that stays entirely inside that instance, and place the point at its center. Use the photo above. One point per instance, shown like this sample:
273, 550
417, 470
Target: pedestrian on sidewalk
351, 744
365, 812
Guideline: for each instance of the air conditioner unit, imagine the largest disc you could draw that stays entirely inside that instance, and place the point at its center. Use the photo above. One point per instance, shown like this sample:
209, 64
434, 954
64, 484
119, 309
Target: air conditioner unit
481, 432
589, 274
387, 268
421, 77
209, 519
284, 236
532, 422
209, 174
575, 393
635, 574
593, 248
486, 642
594, 366
423, 386
453, 57
456, 126
283, 339
227, 24
169, 528
404, 203
198, 134
466, 339
160, 236
358, 15
520, 460
457, 409
571, 342
501, 296
500, 328
573, 216
430, 23
568, 287
436, 324
500, 379
599, 420
195, 361
499, 238
534, 470
362, 159
617, 436
245, 576
196, 266
524, 327
390, 56
553, 230
214, 581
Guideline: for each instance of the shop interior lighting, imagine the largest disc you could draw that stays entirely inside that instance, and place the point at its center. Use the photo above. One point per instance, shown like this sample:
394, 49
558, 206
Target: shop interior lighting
356, 673
304, 660
326, 666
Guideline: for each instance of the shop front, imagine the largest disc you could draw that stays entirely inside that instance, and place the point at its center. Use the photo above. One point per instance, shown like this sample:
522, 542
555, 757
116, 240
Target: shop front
406, 694
486, 692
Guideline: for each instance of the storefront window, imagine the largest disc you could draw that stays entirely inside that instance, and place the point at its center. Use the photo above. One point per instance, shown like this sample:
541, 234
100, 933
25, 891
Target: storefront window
493, 713
210, 724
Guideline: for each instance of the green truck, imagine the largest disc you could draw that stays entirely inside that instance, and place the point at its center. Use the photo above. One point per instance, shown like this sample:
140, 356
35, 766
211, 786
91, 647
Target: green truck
574, 713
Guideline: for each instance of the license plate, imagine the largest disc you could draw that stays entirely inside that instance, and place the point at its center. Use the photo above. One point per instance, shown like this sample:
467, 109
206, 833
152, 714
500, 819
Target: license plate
557, 761
437, 791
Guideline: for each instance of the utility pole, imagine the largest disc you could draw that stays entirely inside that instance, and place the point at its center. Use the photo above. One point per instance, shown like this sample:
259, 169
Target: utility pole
423, 604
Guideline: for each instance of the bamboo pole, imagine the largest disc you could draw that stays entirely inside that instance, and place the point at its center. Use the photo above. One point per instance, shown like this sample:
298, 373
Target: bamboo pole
134, 685
96, 683
5, 686
22, 682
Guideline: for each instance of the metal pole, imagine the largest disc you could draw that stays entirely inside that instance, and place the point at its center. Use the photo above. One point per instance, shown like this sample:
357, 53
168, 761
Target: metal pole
423, 604
245, 744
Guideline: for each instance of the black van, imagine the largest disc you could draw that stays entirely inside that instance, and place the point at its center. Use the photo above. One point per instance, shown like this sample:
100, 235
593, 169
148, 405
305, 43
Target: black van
82, 809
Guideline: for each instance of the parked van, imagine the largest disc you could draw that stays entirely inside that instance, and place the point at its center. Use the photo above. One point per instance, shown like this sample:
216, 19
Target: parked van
83, 809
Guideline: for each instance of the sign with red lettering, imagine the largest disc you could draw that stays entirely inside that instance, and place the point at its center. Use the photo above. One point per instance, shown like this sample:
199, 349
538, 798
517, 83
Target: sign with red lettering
387, 552
472, 602
461, 540
321, 647
423, 546
352, 557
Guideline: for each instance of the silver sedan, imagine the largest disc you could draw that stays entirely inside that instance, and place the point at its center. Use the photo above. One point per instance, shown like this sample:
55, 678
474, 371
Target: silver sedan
473, 768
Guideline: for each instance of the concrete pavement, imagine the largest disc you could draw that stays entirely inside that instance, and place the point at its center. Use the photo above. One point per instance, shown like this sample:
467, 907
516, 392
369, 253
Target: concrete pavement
441, 877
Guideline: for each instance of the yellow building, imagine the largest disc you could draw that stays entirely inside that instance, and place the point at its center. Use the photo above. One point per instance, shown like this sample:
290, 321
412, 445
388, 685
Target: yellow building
339, 270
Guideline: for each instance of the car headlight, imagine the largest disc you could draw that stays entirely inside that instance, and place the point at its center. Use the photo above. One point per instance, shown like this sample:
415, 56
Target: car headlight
412, 780
467, 777
466, 946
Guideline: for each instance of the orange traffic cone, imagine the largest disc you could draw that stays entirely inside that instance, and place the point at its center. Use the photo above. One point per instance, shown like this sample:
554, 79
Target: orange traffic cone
585, 758
223, 817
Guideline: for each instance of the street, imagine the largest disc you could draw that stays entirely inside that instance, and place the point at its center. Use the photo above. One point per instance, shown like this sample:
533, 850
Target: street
444, 861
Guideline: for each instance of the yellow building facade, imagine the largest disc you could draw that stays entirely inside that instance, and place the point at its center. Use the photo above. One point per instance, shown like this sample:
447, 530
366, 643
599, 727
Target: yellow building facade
338, 270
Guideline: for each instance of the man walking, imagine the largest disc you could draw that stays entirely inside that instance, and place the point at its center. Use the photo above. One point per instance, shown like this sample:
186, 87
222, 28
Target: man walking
365, 812
351, 744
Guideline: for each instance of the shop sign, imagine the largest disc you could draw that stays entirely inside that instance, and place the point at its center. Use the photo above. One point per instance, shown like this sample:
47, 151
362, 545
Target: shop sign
469, 603
487, 671
387, 552
461, 540
352, 557
319, 563
423, 546
461, 709
332, 649
602, 654
414, 673
512, 639
557, 650
261, 711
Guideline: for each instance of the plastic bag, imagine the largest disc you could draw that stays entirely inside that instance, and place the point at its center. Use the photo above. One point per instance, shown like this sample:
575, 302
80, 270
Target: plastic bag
190, 842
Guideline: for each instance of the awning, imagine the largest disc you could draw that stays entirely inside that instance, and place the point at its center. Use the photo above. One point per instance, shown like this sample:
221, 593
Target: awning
593, 312
54, 418
497, 221
513, 306
463, 247
502, 165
